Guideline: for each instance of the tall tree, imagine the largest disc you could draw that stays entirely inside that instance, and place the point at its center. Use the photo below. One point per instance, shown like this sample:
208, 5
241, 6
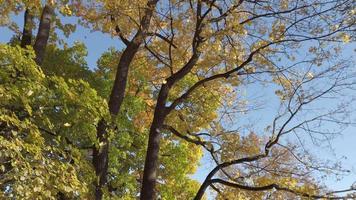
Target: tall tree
254, 33
174, 89
101, 153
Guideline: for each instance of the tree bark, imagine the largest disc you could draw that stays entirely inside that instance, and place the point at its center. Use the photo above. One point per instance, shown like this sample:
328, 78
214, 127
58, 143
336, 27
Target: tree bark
151, 162
161, 111
43, 34
27, 29
118, 91
100, 159
101, 153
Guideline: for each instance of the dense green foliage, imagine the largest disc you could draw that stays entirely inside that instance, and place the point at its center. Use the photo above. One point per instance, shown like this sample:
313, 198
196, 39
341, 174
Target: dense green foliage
45, 121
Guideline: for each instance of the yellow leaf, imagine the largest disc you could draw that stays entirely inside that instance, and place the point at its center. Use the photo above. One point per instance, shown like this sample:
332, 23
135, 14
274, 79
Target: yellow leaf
29, 93
345, 38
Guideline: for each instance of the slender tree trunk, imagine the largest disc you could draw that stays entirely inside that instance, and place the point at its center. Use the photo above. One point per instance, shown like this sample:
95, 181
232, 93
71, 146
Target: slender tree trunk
161, 111
100, 159
101, 153
118, 91
27, 29
151, 164
43, 34
152, 153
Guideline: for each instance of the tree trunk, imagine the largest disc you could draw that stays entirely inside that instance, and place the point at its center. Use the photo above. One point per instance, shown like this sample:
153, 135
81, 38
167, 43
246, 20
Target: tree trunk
43, 34
100, 159
152, 153
118, 91
27, 29
101, 153
161, 111
151, 164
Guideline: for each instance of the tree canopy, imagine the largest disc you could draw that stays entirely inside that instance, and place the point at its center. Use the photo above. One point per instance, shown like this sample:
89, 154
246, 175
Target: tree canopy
137, 125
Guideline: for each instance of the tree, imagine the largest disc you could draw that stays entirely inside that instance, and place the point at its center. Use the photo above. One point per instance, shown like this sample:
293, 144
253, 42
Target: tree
177, 83
41, 147
255, 34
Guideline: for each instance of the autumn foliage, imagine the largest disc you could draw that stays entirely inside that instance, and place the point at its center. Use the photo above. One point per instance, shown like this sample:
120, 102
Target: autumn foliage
177, 88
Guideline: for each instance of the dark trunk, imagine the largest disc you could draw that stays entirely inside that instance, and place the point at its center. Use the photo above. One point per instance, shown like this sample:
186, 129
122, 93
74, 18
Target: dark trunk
27, 29
100, 159
206, 183
43, 34
61, 196
101, 153
151, 162
118, 91
201, 190
161, 111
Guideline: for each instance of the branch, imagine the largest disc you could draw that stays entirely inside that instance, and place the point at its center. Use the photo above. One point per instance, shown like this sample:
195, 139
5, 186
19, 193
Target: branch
247, 61
175, 132
66, 138
211, 78
196, 42
225, 14
118, 90
163, 38
268, 146
157, 56
276, 187
118, 31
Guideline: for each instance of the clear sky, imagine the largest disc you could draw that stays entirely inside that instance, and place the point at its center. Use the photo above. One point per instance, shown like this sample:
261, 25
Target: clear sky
344, 145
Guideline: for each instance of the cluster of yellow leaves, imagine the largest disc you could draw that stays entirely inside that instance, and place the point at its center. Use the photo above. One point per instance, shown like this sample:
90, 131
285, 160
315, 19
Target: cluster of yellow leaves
235, 146
97, 15
345, 37
277, 32
287, 87
284, 4
65, 10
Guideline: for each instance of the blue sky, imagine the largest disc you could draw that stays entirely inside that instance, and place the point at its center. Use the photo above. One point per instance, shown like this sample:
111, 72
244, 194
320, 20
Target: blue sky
344, 145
